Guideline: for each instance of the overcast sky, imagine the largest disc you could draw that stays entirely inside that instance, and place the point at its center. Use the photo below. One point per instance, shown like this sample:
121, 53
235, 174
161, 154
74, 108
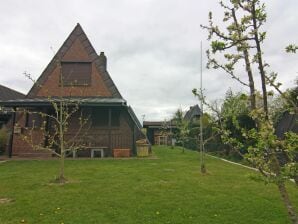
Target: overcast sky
152, 46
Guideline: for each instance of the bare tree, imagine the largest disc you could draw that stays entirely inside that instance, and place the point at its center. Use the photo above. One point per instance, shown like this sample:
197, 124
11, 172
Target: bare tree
57, 137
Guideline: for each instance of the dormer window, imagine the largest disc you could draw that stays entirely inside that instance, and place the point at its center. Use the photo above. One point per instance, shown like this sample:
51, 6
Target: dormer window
76, 73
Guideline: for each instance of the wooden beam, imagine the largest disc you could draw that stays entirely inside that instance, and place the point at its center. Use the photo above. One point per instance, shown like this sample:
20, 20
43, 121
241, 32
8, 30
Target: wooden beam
12, 133
47, 127
110, 125
134, 149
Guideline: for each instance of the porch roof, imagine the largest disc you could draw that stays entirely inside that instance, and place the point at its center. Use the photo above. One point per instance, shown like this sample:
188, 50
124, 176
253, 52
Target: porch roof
83, 101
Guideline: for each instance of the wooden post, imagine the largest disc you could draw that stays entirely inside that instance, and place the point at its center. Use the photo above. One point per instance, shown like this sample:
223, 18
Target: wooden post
110, 125
12, 133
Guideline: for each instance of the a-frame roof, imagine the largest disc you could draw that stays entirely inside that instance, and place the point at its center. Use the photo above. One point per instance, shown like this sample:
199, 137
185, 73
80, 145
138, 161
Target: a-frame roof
99, 61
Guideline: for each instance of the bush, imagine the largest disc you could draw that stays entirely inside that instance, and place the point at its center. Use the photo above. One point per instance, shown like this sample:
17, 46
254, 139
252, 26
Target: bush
191, 143
3, 139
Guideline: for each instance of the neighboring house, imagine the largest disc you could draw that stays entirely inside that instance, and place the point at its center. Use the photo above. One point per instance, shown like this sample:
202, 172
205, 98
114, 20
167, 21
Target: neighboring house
7, 94
85, 79
193, 113
287, 123
161, 132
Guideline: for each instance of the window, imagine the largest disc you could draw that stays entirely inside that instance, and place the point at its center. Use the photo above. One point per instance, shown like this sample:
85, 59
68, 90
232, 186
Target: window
100, 117
33, 119
115, 121
76, 73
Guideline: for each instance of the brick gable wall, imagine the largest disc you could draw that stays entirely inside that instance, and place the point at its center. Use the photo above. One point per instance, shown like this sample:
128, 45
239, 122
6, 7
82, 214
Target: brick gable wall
51, 86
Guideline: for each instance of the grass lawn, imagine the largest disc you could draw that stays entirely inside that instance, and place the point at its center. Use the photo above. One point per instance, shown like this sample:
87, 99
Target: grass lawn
168, 189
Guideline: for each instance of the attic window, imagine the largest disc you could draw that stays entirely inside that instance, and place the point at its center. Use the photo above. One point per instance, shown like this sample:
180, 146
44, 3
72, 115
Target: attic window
76, 73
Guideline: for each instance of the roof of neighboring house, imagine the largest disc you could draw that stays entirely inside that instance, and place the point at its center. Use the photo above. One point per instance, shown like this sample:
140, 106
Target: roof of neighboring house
85, 101
9, 94
288, 122
159, 124
99, 61
193, 111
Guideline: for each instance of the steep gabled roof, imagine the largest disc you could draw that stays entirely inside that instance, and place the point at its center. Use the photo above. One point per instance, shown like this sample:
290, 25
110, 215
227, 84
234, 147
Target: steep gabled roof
99, 61
9, 94
193, 111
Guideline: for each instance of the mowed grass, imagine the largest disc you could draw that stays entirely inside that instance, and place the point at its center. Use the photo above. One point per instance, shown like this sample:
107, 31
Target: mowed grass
168, 189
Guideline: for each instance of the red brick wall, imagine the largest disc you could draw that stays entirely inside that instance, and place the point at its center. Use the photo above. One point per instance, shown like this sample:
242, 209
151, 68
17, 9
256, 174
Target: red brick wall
19, 145
75, 53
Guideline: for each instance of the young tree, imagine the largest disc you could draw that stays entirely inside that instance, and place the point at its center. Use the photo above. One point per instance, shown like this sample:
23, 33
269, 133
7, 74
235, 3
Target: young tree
182, 133
244, 35
55, 126
235, 43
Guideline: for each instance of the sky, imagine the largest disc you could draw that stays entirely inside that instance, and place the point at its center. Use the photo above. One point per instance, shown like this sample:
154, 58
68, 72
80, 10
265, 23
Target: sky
152, 46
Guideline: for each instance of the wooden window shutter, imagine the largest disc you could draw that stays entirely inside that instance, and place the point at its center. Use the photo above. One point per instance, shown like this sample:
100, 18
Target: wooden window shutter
76, 73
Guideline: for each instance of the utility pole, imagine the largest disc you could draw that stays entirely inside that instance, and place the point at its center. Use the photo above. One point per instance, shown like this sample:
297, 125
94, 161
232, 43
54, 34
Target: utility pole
202, 151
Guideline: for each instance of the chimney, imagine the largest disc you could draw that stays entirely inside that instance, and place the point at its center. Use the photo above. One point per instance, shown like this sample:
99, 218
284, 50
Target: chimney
103, 60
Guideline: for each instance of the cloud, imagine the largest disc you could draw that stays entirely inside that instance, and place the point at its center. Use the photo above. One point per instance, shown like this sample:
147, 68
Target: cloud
153, 47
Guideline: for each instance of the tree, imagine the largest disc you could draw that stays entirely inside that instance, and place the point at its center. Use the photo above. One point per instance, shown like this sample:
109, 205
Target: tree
182, 133
292, 48
235, 41
244, 37
236, 118
65, 110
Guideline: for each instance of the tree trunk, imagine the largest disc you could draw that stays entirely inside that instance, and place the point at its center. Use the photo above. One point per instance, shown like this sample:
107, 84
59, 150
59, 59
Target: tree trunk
203, 168
247, 65
251, 80
61, 177
282, 189
260, 60
285, 197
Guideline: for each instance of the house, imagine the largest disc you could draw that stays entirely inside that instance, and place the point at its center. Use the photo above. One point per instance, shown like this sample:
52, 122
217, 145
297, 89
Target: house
193, 113
7, 94
161, 132
287, 123
77, 73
